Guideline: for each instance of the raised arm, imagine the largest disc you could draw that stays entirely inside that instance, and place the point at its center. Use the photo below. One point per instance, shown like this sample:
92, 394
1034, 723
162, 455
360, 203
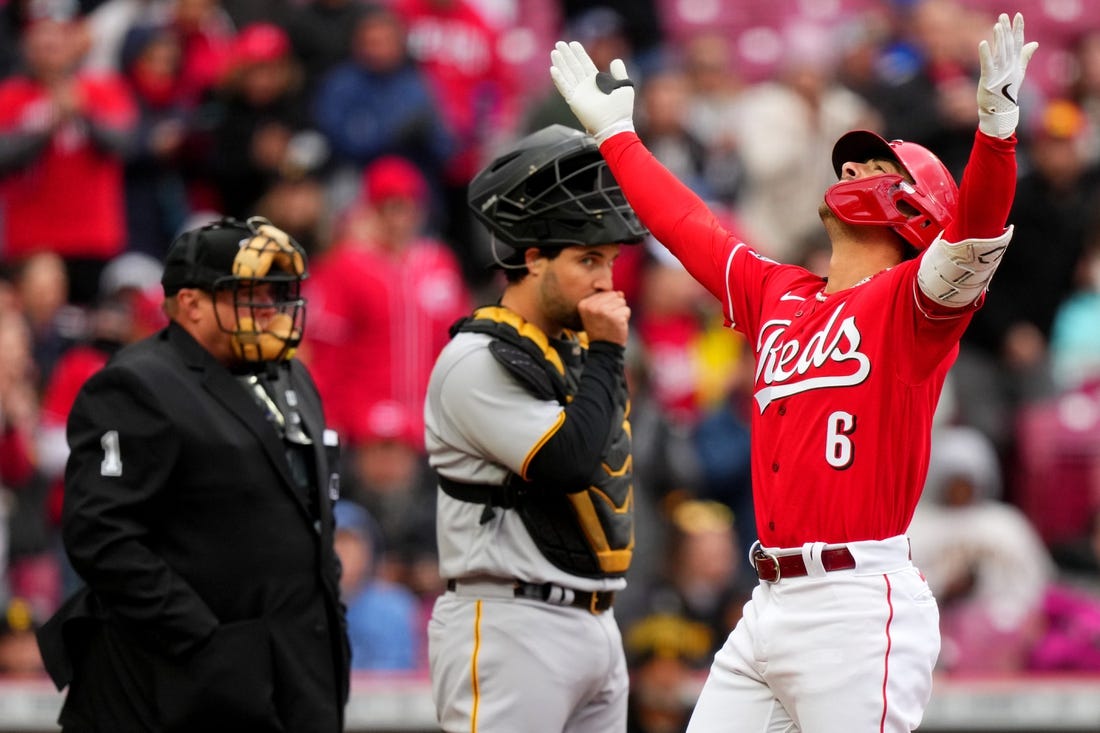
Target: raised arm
989, 181
956, 269
604, 103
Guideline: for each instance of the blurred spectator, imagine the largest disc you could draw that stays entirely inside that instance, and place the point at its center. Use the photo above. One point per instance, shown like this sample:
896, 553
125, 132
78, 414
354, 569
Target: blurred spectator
9, 40
206, 35
19, 657
931, 102
701, 580
642, 27
986, 564
1084, 86
864, 57
321, 33
785, 130
379, 103
666, 472
61, 164
1074, 331
1056, 447
383, 616
18, 418
476, 89
258, 114
666, 655
1003, 360
673, 325
156, 197
382, 300
721, 440
246, 12
712, 109
297, 205
26, 562
1070, 636
667, 325
602, 32
1079, 557
110, 21
41, 290
662, 123
387, 473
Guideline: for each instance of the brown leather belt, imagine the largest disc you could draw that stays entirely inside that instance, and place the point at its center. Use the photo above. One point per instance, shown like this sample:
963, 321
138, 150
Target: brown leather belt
593, 601
773, 568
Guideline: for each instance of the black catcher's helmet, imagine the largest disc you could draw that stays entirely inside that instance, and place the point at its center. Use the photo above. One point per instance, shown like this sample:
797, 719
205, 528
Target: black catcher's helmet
553, 189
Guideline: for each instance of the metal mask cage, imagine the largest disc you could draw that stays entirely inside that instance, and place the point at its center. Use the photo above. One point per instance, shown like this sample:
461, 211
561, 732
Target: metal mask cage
282, 295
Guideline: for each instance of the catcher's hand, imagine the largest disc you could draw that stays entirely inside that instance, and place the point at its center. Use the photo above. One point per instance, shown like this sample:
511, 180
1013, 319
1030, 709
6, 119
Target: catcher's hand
605, 316
603, 102
1003, 67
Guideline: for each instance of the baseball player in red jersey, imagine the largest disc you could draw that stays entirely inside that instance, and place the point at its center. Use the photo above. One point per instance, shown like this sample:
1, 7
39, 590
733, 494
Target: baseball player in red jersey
842, 633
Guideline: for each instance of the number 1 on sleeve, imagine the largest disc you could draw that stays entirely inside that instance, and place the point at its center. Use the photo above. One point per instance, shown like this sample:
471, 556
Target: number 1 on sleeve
112, 456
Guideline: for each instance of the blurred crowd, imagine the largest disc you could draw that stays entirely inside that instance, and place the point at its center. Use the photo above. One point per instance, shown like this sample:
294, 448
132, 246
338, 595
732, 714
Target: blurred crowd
356, 125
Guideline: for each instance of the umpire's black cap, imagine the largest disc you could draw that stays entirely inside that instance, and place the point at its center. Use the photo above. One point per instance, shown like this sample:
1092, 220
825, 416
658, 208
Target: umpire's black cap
201, 256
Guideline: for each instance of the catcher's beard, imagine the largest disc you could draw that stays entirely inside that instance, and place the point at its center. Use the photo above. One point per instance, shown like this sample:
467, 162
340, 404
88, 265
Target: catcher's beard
275, 341
556, 307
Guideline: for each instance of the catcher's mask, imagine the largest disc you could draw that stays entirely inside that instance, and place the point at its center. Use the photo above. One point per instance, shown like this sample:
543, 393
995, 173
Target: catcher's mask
917, 210
552, 189
263, 268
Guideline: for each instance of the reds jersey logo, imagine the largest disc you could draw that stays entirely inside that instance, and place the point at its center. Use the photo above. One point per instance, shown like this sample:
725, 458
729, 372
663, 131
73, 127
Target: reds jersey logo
828, 358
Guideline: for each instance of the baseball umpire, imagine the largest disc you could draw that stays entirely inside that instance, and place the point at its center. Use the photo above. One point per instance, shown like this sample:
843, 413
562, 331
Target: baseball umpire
842, 632
526, 427
198, 512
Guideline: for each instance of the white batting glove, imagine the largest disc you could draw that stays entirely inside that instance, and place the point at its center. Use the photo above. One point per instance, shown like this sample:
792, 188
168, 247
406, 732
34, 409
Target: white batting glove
603, 102
1003, 68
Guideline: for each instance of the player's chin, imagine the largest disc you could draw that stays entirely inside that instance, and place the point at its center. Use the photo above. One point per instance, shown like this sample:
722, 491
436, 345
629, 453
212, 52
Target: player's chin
824, 211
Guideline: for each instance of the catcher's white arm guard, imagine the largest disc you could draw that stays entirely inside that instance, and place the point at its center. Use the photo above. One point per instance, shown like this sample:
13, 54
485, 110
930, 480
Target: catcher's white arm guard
956, 275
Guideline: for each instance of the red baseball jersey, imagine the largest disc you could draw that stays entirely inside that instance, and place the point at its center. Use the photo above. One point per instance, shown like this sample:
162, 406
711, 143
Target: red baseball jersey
846, 384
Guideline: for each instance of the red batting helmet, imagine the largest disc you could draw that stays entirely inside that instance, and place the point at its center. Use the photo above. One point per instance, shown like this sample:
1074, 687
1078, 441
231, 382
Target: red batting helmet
930, 201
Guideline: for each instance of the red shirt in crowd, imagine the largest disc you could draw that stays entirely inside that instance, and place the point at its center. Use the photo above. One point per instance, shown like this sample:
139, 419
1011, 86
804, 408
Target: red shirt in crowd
457, 48
69, 199
377, 321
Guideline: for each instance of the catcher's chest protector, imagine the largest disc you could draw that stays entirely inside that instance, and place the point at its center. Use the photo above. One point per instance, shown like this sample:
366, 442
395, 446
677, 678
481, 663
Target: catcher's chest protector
584, 530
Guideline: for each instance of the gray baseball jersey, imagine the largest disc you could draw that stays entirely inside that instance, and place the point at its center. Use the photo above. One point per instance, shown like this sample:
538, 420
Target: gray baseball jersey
501, 662
487, 427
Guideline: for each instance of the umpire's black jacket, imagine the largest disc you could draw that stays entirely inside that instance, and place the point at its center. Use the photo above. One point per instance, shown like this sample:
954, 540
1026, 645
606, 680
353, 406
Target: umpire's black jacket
212, 598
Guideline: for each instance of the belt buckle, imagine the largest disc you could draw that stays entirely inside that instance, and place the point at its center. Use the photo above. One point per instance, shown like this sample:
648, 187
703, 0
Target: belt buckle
600, 601
761, 555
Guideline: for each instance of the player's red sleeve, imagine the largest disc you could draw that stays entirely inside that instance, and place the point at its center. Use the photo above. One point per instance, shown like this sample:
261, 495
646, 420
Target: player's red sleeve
674, 214
987, 190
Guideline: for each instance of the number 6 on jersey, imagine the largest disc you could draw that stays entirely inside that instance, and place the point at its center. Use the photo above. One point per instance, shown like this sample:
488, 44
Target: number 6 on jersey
838, 445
